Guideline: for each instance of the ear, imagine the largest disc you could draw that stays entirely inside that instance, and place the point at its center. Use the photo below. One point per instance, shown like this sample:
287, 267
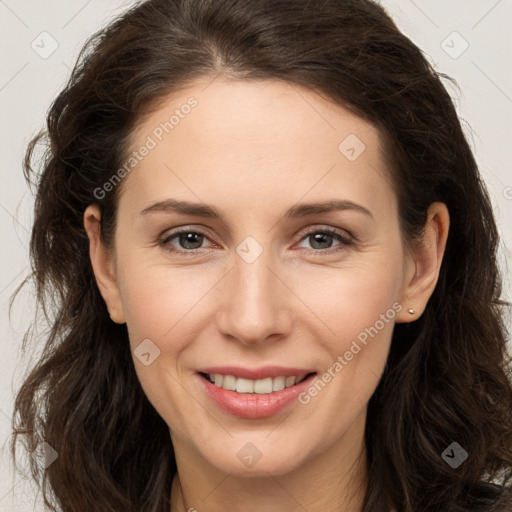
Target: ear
424, 263
102, 261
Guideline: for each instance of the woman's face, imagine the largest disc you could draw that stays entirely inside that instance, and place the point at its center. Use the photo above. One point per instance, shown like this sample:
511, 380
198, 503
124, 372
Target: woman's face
258, 285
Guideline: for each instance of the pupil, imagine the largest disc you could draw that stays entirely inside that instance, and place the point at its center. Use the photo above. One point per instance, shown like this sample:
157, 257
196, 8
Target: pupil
317, 239
189, 238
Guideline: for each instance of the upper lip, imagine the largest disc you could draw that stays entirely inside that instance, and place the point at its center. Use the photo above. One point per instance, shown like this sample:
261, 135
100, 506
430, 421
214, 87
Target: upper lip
257, 373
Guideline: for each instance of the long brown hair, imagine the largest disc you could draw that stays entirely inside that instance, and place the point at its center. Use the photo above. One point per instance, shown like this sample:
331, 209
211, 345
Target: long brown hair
448, 376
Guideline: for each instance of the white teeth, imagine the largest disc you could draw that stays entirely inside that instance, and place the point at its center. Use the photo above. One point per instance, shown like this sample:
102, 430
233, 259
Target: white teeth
229, 382
290, 381
278, 383
244, 386
262, 386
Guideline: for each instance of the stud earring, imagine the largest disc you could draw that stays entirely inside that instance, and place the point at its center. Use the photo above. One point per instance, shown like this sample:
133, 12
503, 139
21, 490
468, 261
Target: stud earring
411, 311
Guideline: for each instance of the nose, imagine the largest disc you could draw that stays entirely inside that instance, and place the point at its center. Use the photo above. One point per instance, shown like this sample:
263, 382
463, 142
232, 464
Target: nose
256, 304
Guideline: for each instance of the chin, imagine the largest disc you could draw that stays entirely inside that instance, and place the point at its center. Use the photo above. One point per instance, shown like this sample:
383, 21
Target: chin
253, 458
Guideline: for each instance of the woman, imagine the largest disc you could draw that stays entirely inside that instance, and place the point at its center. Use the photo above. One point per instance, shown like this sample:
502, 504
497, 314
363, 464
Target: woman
365, 371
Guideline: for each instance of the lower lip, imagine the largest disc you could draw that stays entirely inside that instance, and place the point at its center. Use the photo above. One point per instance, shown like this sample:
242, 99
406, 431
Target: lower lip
254, 405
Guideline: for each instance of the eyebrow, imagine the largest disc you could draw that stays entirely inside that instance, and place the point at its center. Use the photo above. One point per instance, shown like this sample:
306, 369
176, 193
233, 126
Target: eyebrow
296, 211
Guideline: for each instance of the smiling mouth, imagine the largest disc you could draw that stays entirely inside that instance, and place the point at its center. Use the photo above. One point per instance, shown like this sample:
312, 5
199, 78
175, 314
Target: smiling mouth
263, 386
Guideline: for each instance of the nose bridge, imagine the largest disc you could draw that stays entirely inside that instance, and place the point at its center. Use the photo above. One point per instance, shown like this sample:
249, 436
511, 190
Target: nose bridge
254, 308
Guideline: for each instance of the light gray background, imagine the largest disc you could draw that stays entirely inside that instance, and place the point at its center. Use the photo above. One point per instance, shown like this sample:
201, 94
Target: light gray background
28, 83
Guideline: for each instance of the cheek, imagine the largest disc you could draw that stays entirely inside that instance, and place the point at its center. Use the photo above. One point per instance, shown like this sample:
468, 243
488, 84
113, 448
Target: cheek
358, 307
159, 303
351, 374
352, 298
158, 299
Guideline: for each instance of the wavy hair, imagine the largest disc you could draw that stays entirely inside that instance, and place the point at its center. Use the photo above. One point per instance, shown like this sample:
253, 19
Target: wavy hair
448, 375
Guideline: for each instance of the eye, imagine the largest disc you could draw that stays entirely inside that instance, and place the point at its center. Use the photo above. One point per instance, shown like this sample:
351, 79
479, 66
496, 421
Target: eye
188, 240
321, 239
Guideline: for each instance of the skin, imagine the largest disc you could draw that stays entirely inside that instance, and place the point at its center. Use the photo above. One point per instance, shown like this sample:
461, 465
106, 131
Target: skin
252, 150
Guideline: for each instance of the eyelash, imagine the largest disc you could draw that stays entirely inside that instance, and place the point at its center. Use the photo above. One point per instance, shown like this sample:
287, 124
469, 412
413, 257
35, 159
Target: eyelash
345, 241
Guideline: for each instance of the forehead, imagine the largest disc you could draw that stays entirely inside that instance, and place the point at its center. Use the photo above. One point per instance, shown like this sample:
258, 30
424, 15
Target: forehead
267, 137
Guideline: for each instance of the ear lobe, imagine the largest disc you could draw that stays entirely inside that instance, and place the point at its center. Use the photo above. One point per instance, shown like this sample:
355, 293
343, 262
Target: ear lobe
102, 261
424, 264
